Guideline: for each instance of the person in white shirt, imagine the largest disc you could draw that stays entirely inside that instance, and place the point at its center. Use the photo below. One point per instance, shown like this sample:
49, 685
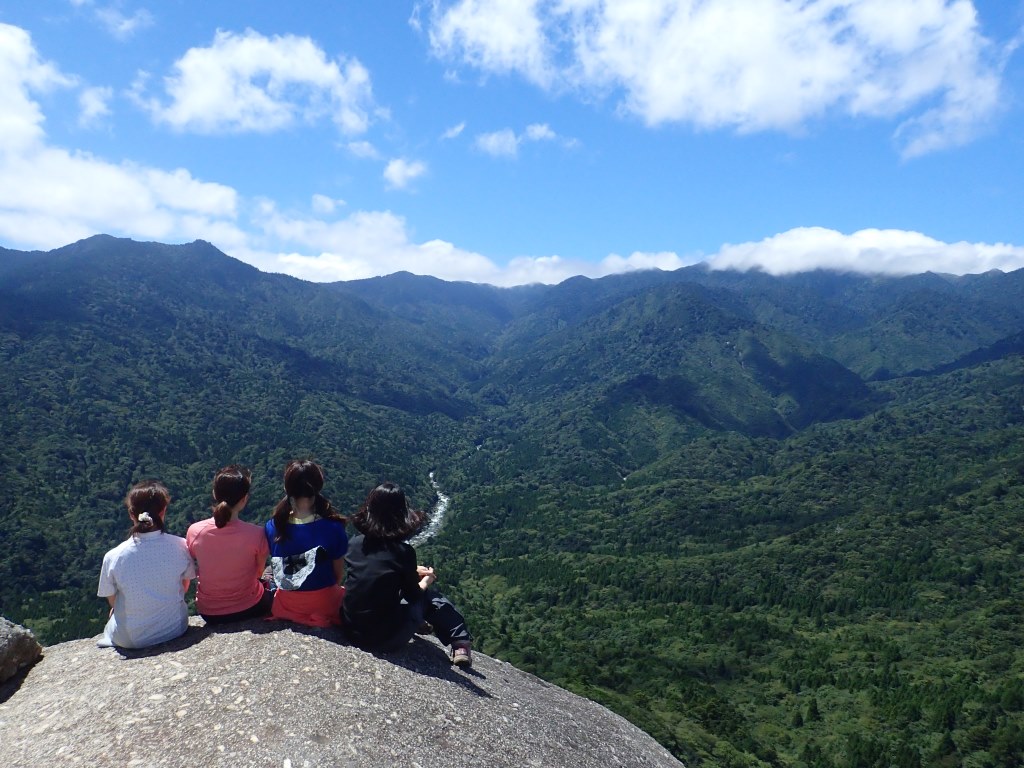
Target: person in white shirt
145, 577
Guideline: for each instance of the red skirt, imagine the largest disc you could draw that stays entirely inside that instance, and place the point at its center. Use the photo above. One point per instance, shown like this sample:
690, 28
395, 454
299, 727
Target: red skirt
314, 608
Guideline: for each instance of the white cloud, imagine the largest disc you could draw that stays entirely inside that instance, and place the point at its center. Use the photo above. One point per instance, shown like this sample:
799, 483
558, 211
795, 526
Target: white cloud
22, 72
120, 26
540, 132
363, 149
249, 82
400, 172
365, 244
506, 143
750, 65
494, 35
64, 194
869, 251
454, 131
325, 205
503, 143
93, 105
50, 196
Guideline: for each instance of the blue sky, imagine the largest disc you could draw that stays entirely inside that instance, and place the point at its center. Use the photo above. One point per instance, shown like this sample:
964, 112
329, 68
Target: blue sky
516, 141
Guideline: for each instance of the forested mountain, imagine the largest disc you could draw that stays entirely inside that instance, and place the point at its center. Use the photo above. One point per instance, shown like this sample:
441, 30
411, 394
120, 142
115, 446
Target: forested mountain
773, 521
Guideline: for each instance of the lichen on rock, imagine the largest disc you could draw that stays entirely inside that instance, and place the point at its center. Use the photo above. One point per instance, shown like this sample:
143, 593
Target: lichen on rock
18, 649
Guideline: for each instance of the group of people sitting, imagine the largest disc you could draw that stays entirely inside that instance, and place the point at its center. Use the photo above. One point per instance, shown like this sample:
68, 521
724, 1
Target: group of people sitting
370, 585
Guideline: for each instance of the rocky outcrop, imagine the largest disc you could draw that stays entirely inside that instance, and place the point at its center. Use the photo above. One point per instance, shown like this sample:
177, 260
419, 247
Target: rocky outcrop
18, 649
269, 694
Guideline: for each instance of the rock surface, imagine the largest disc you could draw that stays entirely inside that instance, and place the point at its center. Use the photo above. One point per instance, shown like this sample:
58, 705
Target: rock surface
270, 694
18, 649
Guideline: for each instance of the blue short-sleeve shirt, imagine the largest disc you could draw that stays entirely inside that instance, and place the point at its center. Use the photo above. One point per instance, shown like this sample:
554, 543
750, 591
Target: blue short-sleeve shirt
304, 559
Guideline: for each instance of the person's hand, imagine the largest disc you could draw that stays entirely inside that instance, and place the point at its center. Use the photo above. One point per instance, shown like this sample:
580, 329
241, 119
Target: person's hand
427, 576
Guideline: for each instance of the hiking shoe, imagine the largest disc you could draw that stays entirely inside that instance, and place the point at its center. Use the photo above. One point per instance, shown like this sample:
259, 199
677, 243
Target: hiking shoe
461, 656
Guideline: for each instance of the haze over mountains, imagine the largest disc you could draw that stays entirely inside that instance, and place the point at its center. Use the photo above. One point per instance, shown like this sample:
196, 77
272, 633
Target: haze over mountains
707, 499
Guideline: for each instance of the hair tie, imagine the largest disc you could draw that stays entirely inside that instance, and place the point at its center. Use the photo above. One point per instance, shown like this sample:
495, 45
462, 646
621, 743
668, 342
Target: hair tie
145, 517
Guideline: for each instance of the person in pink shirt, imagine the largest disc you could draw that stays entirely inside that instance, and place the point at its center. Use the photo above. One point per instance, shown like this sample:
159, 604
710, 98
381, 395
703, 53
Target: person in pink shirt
230, 554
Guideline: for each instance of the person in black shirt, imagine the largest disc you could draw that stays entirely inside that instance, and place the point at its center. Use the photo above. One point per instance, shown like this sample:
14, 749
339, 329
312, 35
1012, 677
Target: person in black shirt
387, 595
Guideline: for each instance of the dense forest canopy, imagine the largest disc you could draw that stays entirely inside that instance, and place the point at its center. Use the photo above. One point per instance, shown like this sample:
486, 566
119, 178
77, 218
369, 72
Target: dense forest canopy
772, 520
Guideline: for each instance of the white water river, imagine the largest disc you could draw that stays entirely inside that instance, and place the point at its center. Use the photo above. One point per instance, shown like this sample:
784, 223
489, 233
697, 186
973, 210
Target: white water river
437, 515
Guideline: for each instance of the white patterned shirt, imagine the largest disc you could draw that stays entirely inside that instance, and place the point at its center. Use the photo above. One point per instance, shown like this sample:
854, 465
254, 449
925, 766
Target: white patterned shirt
144, 574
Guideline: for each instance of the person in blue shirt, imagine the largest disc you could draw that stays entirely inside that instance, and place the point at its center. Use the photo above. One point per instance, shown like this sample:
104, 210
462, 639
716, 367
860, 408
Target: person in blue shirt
307, 541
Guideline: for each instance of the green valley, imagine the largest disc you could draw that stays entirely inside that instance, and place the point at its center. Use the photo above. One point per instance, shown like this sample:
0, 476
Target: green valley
774, 521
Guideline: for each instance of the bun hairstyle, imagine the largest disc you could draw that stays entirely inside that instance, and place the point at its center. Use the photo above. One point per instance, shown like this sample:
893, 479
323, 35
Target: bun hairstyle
230, 486
303, 479
146, 502
386, 514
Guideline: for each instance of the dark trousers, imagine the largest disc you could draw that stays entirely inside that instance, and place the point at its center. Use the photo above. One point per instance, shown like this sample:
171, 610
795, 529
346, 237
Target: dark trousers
438, 611
262, 608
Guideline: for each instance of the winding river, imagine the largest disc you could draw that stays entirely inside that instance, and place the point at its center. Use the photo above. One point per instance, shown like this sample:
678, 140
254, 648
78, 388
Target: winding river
437, 515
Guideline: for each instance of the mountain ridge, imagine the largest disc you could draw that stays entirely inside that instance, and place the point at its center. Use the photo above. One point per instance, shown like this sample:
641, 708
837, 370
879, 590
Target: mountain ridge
703, 499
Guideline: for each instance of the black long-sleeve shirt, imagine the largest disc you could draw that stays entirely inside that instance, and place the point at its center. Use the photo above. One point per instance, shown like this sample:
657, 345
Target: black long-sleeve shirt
379, 574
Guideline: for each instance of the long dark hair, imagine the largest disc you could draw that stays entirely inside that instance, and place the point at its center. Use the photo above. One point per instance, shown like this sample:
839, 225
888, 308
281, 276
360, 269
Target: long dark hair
303, 478
149, 499
386, 514
230, 485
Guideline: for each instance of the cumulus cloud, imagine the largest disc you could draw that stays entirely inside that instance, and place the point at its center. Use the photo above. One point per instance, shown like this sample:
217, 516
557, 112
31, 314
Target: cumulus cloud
506, 143
121, 26
540, 132
363, 149
22, 73
249, 82
374, 243
494, 36
50, 196
399, 173
93, 105
454, 131
868, 251
503, 143
365, 244
325, 205
750, 65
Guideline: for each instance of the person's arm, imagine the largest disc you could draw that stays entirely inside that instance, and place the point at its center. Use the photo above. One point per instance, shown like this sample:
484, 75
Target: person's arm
107, 587
427, 576
339, 547
189, 572
262, 553
414, 583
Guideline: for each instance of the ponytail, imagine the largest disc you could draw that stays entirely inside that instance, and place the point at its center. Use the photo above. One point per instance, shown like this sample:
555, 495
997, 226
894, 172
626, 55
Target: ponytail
146, 502
230, 485
303, 479
221, 513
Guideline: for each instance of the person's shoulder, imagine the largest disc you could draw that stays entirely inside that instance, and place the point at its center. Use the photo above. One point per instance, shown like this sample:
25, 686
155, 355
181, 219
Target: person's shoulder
115, 551
172, 540
198, 527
